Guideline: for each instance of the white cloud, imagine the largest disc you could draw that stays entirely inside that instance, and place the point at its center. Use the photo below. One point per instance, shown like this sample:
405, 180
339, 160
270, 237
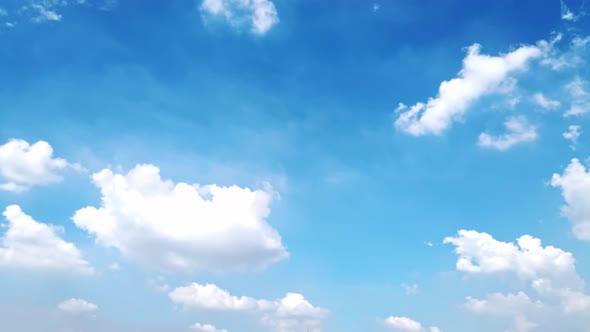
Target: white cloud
575, 189
572, 134
24, 165
580, 98
182, 227
77, 306
500, 304
480, 253
44, 13
481, 75
572, 301
28, 244
205, 328
405, 324
114, 267
287, 314
261, 15
410, 289
544, 102
518, 131
566, 13
522, 324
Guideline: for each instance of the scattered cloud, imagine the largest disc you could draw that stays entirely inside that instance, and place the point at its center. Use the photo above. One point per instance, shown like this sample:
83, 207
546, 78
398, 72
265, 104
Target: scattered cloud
290, 313
43, 13
114, 267
24, 165
544, 102
260, 15
500, 304
29, 244
205, 328
481, 75
580, 97
376, 7
575, 189
518, 131
572, 134
410, 289
182, 226
77, 306
405, 324
566, 13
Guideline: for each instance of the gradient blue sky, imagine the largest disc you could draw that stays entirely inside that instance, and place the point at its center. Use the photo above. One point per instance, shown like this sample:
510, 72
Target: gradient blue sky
305, 110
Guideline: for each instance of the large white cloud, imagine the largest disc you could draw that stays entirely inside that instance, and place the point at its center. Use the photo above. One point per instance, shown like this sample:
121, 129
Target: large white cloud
481, 75
260, 15
480, 253
518, 131
183, 226
24, 165
77, 306
28, 244
405, 324
575, 189
290, 313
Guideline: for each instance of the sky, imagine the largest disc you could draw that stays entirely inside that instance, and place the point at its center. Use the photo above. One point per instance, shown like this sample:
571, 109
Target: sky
292, 166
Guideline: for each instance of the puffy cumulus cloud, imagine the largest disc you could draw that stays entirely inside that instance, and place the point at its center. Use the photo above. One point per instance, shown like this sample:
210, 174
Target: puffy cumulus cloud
481, 75
518, 131
290, 313
205, 328
480, 253
405, 324
260, 15
28, 244
182, 226
501, 304
575, 189
77, 306
24, 165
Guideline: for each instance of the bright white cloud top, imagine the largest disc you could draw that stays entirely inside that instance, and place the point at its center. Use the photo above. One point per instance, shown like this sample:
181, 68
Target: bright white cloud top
260, 15
24, 165
182, 226
32, 245
481, 75
575, 189
289, 313
77, 306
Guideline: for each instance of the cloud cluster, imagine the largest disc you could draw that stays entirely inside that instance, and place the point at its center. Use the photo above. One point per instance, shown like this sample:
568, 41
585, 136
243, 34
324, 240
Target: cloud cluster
260, 15
182, 227
550, 271
290, 313
31, 245
24, 165
481, 75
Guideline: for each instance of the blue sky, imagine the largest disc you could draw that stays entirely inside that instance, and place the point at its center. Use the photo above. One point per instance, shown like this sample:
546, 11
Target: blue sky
270, 165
